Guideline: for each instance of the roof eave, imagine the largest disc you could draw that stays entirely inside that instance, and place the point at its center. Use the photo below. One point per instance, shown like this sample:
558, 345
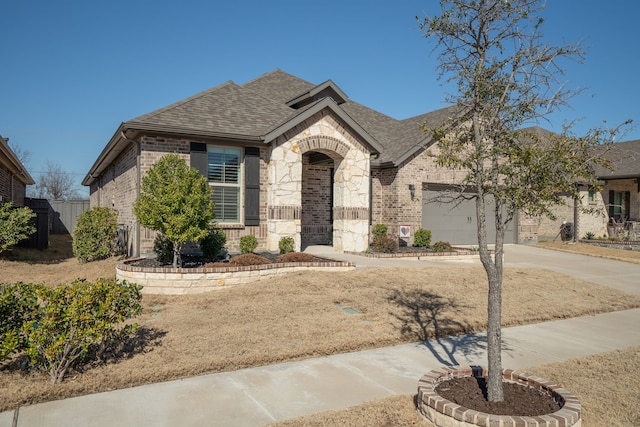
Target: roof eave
188, 132
120, 139
15, 165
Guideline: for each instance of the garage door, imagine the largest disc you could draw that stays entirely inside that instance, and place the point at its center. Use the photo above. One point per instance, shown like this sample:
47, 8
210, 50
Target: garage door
454, 222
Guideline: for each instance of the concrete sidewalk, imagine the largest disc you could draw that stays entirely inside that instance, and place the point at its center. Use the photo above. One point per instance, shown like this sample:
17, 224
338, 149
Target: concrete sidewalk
254, 397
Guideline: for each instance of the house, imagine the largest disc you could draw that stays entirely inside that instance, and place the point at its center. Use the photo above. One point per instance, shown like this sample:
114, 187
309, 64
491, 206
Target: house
289, 158
14, 178
617, 203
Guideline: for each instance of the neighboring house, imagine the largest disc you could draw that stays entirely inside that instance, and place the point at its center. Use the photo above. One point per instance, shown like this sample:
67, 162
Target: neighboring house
14, 178
288, 158
617, 203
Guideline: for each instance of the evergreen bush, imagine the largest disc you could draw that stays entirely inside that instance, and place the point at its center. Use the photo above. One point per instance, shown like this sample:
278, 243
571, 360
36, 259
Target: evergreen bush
213, 244
248, 244
422, 238
286, 245
73, 319
163, 248
95, 234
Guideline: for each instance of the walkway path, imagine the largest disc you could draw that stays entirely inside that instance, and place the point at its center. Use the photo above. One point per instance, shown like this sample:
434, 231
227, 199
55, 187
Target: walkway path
254, 397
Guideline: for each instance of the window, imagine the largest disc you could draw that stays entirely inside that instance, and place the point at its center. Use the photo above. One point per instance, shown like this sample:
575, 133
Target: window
619, 203
224, 175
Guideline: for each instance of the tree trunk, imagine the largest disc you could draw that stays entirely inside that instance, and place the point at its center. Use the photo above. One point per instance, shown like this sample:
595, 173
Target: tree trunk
493, 268
494, 335
177, 249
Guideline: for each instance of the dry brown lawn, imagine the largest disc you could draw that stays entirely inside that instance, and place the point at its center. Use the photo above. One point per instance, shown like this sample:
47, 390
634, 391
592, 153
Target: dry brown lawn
297, 316
612, 375
592, 250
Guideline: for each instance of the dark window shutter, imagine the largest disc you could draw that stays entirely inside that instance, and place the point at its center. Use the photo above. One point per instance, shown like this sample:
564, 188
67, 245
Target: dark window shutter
611, 202
199, 160
627, 204
251, 186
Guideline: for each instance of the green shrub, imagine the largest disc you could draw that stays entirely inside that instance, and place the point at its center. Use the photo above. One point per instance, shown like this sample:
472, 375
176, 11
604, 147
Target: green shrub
422, 238
73, 319
163, 248
95, 234
15, 225
442, 247
213, 244
17, 303
379, 230
381, 241
590, 235
286, 245
248, 244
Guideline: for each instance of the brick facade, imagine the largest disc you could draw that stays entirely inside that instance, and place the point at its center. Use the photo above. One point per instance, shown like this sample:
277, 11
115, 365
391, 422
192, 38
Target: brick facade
316, 212
391, 190
118, 187
11, 188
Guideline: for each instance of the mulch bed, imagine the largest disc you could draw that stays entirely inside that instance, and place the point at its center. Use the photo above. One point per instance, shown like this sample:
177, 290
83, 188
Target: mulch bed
519, 400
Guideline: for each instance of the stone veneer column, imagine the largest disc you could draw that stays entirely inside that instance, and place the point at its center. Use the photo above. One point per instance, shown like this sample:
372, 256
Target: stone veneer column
351, 202
285, 195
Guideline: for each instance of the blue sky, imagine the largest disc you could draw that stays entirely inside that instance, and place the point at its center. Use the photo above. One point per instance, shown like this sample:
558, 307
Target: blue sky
72, 71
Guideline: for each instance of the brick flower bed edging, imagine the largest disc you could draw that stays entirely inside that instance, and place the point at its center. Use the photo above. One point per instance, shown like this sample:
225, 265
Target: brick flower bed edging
443, 412
177, 281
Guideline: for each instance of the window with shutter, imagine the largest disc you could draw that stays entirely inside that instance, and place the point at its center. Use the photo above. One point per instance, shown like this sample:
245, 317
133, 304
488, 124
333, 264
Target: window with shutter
224, 167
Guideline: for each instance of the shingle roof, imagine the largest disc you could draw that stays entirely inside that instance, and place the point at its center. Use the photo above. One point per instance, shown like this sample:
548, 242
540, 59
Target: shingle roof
265, 107
259, 106
227, 108
625, 161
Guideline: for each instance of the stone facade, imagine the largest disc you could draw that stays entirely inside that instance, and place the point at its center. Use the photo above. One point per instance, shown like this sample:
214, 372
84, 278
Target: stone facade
592, 213
321, 133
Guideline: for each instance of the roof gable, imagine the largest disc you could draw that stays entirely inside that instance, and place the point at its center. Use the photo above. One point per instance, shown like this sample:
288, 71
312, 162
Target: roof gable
327, 89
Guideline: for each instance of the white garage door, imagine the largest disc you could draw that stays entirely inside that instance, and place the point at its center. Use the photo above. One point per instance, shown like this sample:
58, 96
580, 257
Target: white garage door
455, 222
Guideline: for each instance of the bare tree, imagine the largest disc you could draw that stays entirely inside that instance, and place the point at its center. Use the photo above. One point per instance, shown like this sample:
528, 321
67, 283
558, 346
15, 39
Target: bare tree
55, 183
506, 78
22, 154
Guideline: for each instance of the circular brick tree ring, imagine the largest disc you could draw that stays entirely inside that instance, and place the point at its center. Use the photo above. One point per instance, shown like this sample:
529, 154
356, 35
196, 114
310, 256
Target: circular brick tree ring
443, 412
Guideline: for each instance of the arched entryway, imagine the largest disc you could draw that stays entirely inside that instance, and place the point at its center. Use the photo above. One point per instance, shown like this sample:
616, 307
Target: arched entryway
319, 193
318, 170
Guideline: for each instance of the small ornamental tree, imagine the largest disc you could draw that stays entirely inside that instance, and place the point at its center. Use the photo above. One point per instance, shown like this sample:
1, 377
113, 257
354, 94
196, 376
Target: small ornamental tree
15, 225
176, 201
507, 78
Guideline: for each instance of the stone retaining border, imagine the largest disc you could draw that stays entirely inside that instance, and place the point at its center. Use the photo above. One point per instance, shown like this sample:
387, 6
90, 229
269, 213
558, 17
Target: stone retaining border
456, 253
443, 412
629, 245
178, 281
